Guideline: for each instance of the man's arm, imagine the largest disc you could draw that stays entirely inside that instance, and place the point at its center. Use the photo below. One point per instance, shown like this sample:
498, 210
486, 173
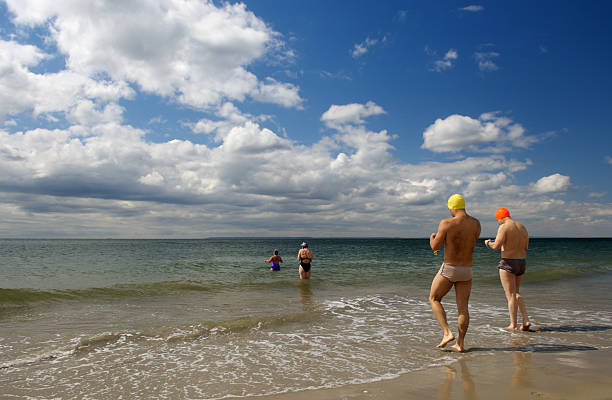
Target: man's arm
437, 239
499, 239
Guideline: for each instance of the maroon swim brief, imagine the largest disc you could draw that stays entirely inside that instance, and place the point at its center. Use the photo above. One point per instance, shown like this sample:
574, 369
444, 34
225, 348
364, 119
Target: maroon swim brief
514, 265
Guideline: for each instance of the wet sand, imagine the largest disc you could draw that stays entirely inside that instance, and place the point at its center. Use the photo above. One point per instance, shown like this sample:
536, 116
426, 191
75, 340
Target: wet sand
511, 372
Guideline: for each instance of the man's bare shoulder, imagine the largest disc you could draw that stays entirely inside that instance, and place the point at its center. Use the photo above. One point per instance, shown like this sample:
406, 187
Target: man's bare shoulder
521, 227
513, 224
475, 225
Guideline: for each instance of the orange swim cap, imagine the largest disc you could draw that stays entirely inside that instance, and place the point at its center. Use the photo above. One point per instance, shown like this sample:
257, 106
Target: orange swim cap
502, 213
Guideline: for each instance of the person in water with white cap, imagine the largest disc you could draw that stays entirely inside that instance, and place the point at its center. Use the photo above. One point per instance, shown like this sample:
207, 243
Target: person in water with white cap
459, 235
305, 258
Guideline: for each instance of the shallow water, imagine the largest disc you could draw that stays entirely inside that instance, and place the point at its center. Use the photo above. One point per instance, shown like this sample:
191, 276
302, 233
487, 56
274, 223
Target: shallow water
206, 318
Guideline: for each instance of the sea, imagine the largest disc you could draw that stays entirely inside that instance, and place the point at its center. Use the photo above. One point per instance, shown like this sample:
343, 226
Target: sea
207, 319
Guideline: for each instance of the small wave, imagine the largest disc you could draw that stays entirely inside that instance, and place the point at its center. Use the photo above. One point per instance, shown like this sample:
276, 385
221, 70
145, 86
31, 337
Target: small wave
367, 303
555, 273
26, 296
10, 298
22, 297
162, 334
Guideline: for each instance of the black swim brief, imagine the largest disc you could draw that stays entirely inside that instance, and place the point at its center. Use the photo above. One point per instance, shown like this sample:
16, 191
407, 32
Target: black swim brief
305, 267
514, 265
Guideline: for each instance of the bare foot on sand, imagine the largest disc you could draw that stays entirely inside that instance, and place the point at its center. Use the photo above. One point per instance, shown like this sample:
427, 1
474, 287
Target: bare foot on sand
446, 340
457, 348
526, 326
511, 328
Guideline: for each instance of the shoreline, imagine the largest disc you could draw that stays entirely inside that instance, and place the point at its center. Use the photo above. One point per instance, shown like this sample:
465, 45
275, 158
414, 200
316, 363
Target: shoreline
567, 372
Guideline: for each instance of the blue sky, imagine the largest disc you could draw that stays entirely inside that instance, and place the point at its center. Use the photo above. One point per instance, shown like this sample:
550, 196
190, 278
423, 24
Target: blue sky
144, 119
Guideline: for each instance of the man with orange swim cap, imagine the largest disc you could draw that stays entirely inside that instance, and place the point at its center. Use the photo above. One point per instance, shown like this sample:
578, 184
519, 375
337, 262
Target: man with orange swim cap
502, 213
459, 235
513, 240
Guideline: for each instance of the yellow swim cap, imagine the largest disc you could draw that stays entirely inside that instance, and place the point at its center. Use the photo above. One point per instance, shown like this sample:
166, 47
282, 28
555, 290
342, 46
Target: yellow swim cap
456, 202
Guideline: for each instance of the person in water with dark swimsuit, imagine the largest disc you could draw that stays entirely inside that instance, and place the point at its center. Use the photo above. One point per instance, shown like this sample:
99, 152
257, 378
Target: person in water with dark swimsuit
275, 261
513, 240
305, 258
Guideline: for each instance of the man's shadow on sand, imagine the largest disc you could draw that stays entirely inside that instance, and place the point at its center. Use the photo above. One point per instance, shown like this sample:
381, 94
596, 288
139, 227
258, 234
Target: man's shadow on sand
572, 328
549, 348
535, 348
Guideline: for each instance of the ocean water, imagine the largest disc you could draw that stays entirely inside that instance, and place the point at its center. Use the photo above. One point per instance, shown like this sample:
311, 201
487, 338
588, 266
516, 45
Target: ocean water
206, 319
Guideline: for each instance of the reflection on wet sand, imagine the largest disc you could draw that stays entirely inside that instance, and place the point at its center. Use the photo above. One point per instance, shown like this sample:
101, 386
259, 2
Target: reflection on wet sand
520, 380
522, 359
469, 391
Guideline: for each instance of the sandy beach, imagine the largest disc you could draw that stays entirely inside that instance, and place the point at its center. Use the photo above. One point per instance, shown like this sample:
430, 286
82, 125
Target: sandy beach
513, 372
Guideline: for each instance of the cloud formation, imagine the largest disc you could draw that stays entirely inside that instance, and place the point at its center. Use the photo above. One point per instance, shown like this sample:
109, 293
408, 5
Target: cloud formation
491, 132
362, 48
473, 8
485, 61
190, 51
446, 62
350, 114
551, 184
252, 175
81, 167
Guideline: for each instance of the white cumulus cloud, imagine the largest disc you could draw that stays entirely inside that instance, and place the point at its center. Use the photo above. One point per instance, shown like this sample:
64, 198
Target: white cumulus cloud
552, 184
191, 51
45, 93
491, 132
350, 114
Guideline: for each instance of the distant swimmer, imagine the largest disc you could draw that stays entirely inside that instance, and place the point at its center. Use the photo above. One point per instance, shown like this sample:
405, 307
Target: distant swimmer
513, 240
275, 261
305, 258
459, 235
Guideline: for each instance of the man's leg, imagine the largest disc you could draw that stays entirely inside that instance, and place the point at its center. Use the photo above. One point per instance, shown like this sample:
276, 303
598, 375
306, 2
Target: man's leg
462, 295
508, 280
439, 287
521, 305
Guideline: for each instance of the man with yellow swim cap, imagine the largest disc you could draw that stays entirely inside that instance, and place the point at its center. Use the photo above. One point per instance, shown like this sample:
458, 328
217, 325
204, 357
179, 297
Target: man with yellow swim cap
513, 240
456, 202
459, 235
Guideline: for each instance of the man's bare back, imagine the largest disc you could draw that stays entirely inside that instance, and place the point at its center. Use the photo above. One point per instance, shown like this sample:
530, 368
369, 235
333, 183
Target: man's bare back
512, 238
459, 235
